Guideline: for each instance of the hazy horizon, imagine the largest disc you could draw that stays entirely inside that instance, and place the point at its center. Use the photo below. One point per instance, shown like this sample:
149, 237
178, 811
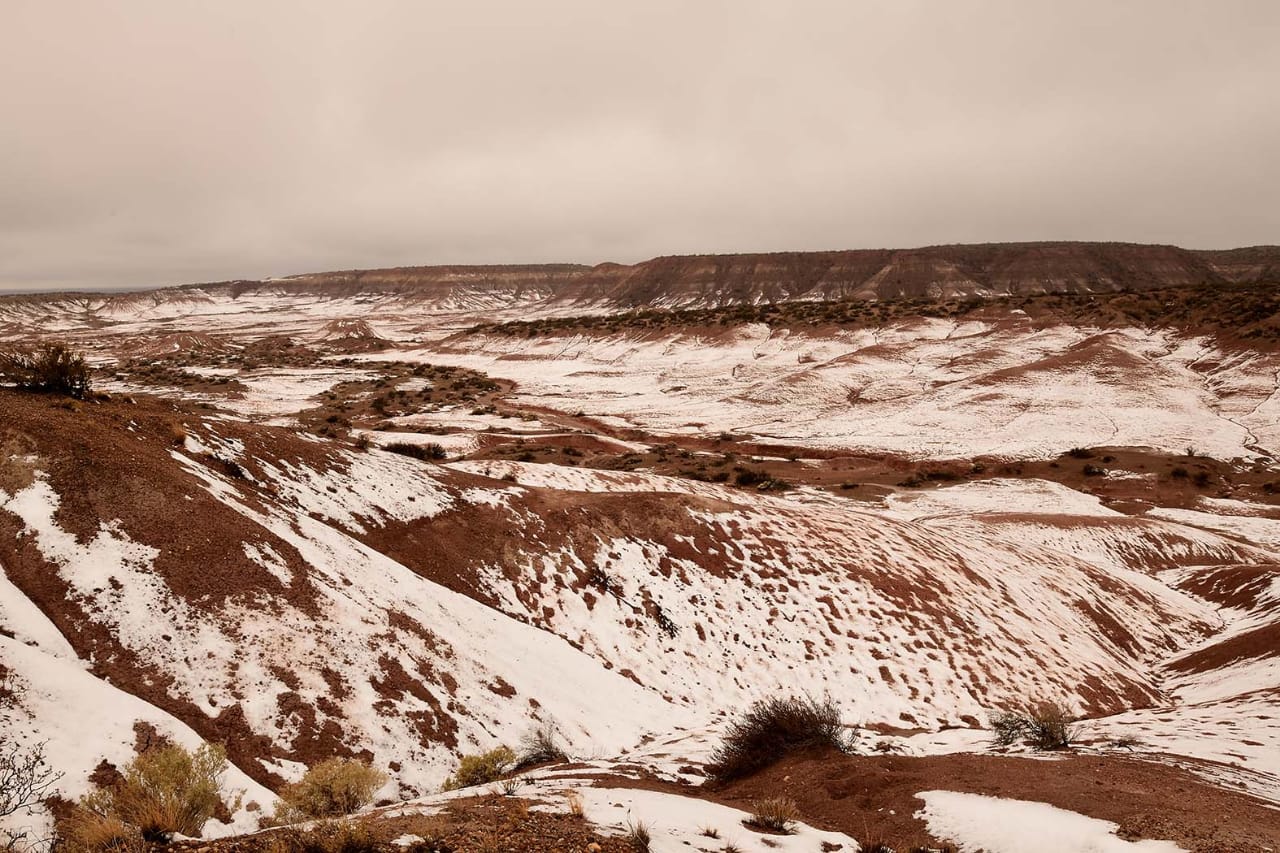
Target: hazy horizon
152, 143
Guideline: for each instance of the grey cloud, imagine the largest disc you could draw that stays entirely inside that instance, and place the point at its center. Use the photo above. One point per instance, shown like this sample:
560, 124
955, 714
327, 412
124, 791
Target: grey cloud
149, 142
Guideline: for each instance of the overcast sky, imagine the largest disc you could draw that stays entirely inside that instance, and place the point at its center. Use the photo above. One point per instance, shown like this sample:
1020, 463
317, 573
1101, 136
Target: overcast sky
146, 143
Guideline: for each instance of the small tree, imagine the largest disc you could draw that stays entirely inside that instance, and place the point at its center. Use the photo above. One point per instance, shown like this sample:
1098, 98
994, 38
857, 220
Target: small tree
51, 367
25, 779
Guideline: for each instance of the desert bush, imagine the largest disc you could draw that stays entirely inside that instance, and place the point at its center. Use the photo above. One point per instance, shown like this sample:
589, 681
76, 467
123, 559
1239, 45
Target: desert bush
1080, 453
481, 769
164, 790
1093, 471
772, 728
775, 814
1179, 473
51, 367
332, 788
540, 745
424, 452
1046, 725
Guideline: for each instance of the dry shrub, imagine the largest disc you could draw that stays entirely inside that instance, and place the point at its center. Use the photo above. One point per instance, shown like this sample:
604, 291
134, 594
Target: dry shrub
163, 791
775, 814
772, 728
332, 788
50, 367
1047, 725
540, 745
89, 832
481, 769
425, 452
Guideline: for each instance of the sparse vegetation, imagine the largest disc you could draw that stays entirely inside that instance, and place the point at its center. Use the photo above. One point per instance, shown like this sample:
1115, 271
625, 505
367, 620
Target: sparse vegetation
1044, 726
431, 451
332, 836
332, 788
775, 814
639, 835
573, 799
540, 745
25, 779
164, 790
772, 728
50, 368
482, 768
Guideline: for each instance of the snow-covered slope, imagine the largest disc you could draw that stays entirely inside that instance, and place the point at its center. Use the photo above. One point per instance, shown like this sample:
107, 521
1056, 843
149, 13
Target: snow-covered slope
396, 609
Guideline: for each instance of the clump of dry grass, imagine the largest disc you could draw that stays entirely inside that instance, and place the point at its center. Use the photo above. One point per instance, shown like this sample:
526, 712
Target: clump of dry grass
639, 835
175, 431
332, 836
774, 814
574, 800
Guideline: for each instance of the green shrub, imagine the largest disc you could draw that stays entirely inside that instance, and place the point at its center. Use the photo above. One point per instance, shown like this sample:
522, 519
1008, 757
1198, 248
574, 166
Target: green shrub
332, 788
481, 769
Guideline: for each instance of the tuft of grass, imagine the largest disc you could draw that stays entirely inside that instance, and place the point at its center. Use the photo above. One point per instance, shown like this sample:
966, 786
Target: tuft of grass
332, 836
639, 835
774, 814
709, 832
509, 786
772, 728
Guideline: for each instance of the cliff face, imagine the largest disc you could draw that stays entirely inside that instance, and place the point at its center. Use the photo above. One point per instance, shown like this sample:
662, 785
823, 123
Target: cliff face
866, 273
716, 280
